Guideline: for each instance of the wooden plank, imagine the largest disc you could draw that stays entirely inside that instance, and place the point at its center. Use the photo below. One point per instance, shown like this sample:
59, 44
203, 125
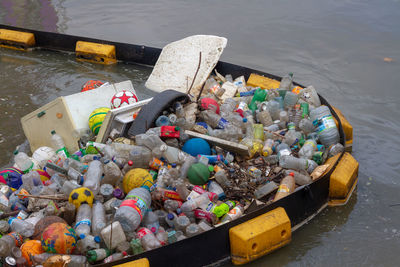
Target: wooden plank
228, 145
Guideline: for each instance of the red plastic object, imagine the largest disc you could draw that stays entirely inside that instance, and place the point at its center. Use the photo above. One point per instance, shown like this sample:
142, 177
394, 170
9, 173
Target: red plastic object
170, 131
209, 103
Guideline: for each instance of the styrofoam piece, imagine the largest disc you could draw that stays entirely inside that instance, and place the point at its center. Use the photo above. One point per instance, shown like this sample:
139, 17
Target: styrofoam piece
177, 65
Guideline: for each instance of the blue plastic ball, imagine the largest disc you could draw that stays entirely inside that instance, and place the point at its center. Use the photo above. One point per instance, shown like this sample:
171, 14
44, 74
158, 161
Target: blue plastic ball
197, 146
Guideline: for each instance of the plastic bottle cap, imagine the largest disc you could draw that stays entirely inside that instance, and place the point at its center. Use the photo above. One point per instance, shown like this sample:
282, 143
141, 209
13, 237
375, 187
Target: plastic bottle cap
291, 174
177, 128
106, 161
53, 132
178, 211
124, 253
173, 165
15, 152
130, 163
244, 120
210, 168
170, 216
82, 236
97, 239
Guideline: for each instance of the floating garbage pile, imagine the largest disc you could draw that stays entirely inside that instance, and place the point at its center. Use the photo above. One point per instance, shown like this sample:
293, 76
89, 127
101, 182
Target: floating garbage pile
203, 165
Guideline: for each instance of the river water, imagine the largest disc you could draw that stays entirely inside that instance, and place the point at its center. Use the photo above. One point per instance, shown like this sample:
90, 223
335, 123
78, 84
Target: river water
348, 49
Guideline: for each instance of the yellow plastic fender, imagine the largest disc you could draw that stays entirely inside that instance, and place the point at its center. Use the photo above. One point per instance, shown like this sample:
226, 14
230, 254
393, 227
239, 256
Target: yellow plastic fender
95, 53
259, 236
16, 40
143, 262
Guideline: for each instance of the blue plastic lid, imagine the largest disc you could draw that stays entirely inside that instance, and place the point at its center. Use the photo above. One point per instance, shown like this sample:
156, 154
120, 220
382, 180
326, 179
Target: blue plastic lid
170, 216
97, 239
245, 120
173, 165
178, 211
81, 180
106, 161
82, 236
96, 158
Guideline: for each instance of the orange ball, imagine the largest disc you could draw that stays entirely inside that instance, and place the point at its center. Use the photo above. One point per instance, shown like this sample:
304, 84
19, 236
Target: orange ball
31, 248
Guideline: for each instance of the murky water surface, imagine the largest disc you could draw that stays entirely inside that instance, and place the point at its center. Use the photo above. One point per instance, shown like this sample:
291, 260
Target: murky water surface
338, 46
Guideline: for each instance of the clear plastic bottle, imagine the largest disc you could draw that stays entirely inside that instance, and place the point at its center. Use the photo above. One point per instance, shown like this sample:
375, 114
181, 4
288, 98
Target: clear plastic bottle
292, 136
308, 149
140, 156
97, 254
26, 229
192, 230
274, 109
286, 187
283, 149
322, 118
228, 106
112, 173
180, 113
23, 162
300, 178
194, 203
89, 242
76, 260
133, 208
170, 218
83, 220
171, 205
162, 214
233, 214
113, 237
115, 256
336, 149
98, 218
8, 242
181, 188
148, 239
150, 139
4, 226
290, 100
150, 221
264, 118
93, 176
265, 189
136, 246
306, 126
76, 165
213, 119
171, 154
106, 190
58, 144
162, 236
222, 178
68, 186
290, 162
286, 82
181, 222
214, 187
31, 180
310, 95
268, 147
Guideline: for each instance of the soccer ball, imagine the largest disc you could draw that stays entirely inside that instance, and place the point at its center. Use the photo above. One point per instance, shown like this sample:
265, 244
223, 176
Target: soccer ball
81, 195
123, 98
90, 85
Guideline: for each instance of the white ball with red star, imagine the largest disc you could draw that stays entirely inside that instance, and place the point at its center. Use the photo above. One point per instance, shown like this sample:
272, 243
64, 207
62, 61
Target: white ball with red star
123, 98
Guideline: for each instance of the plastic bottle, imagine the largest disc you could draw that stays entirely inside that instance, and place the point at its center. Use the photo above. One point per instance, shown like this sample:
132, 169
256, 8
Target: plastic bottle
322, 118
97, 254
23, 162
8, 242
83, 220
149, 140
274, 109
181, 188
286, 82
215, 188
181, 222
76, 260
26, 229
264, 118
308, 149
113, 237
233, 214
4, 226
115, 256
106, 190
148, 239
213, 119
133, 208
98, 218
224, 208
286, 187
89, 242
292, 136
194, 203
192, 230
283, 149
290, 162
128, 166
268, 147
171, 154
336, 149
161, 214
306, 126
58, 144
300, 178
31, 180
150, 221
140, 156
93, 176
170, 218
310, 95
259, 96
222, 178
180, 113
162, 236
112, 173
290, 100
171, 205
136, 246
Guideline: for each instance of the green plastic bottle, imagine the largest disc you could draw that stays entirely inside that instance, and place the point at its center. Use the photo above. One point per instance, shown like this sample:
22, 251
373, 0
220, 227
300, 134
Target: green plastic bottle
259, 96
136, 246
224, 208
97, 254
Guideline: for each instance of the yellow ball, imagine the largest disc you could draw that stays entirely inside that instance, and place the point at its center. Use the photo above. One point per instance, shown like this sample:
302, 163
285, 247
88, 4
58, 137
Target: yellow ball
96, 119
137, 178
81, 195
